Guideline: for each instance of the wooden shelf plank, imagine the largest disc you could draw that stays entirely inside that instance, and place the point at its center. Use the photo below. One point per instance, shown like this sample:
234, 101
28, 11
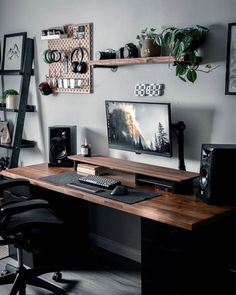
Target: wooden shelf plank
10, 72
131, 61
24, 144
29, 108
135, 167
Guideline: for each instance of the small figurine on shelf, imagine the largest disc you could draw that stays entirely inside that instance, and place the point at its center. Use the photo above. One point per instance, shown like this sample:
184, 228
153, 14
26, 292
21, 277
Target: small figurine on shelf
85, 149
5, 137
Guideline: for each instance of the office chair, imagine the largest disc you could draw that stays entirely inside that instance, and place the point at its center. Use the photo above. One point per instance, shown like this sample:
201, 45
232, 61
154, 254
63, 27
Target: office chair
19, 222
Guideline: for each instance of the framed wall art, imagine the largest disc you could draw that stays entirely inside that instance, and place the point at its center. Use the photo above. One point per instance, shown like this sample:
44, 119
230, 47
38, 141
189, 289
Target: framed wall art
13, 52
230, 81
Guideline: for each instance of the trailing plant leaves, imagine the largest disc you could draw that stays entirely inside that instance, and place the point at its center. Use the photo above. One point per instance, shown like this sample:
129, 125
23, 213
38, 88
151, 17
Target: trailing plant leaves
182, 79
178, 50
187, 40
159, 40
184, 42
181, 69
192, 57
192, 75
166, 38
202, 28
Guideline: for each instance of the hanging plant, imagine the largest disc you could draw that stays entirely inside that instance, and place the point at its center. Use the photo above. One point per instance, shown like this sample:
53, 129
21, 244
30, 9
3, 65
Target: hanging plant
183, 45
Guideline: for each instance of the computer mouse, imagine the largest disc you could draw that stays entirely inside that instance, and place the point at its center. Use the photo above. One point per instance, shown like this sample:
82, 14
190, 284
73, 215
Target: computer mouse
119, 190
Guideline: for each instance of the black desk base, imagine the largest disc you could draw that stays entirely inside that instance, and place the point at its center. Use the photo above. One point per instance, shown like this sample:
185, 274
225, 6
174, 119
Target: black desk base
179, 262
174, 261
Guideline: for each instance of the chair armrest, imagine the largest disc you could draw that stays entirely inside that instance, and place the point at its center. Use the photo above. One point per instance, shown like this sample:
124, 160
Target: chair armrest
8, 210
8, 183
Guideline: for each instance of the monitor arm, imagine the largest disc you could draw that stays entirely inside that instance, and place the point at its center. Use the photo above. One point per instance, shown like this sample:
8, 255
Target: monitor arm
178, 128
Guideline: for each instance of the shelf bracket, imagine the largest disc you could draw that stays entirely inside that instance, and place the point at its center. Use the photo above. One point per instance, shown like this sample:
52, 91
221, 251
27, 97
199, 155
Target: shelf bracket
113, 68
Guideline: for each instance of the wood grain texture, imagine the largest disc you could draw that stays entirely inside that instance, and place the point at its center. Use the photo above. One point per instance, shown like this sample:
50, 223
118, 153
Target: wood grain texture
138, 168
183, 211
132, 61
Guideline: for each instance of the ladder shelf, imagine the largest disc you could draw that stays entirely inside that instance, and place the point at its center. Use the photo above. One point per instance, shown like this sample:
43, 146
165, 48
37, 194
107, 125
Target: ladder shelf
17, 142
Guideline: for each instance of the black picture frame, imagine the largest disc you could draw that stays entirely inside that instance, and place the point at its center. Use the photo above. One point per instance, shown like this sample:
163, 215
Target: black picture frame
230, 80
14, 52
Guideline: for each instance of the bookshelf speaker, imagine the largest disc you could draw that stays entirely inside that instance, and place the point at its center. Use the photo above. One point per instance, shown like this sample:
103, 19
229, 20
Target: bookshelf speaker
217, 179
62, 143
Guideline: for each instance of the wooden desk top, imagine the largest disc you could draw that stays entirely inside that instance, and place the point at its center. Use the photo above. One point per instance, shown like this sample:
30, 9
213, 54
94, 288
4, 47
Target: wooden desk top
183, 211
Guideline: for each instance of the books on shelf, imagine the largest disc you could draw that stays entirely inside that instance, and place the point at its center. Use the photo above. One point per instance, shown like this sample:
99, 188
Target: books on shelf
92, 169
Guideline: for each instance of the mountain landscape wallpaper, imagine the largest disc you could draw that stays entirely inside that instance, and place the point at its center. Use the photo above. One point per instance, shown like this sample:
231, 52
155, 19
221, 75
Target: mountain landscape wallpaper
141, 127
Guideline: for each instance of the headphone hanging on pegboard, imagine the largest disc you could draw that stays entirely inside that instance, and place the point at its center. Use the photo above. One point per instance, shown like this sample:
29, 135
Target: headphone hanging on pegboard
78, 66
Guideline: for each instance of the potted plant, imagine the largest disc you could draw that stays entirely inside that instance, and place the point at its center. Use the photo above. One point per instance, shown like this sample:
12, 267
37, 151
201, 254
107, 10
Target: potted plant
9, 97
183, 45
147, 42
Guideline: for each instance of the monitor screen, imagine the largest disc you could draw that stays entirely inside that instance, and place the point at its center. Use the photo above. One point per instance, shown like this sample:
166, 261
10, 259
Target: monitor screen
141, 127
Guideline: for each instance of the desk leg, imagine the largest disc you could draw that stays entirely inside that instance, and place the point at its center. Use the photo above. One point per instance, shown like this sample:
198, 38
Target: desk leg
179, 262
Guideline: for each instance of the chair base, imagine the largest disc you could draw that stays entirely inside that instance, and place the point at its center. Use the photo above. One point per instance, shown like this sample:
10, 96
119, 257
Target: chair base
21, 277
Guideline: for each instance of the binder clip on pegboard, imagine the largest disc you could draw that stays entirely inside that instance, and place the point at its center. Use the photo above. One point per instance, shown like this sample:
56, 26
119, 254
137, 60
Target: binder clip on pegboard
149, 89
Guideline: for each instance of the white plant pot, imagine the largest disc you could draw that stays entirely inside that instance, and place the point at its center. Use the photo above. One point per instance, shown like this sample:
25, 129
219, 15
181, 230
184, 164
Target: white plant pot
11, 102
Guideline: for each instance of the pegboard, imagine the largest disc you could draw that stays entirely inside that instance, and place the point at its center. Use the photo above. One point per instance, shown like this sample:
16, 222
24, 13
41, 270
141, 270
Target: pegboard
66, 45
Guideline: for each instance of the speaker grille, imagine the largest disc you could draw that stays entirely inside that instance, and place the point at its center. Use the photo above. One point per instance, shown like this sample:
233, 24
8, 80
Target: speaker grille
216, 181
62, 141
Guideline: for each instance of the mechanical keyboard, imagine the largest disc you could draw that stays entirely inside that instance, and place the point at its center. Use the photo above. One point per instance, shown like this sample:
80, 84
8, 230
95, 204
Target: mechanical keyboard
100, 181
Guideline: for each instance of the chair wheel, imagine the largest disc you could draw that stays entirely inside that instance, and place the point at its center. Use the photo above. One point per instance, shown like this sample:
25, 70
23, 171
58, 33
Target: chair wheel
4, 272
22, 291
57, 276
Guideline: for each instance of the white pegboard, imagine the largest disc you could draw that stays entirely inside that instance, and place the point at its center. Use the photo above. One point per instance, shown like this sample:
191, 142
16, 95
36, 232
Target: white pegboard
66, 45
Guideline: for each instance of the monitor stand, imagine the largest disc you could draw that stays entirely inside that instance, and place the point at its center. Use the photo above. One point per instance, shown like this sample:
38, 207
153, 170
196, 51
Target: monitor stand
178, 128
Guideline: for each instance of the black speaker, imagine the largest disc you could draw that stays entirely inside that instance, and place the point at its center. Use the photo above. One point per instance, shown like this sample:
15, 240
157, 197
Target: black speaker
217, 177
62, 143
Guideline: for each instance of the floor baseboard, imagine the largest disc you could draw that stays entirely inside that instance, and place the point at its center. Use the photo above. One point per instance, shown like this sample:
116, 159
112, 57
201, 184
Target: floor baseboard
115, 247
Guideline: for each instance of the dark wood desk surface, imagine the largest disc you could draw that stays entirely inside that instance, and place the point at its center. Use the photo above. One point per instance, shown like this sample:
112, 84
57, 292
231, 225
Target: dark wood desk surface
182, 211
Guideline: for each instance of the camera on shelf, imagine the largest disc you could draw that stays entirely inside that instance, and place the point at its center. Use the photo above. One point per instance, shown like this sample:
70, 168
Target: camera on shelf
130, 50
106, 54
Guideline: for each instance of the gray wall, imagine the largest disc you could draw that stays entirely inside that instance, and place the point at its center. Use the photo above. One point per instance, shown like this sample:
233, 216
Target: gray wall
207, 112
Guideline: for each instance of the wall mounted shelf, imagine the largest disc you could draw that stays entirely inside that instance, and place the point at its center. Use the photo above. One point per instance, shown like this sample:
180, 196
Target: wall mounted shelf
29, 108
114, 63
51, 37
24, 144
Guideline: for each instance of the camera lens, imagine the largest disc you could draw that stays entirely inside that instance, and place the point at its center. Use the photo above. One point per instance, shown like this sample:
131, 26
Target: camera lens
100, 55
107, 54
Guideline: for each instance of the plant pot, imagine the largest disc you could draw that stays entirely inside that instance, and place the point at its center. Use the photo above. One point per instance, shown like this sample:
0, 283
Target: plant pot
150, 49
11, 102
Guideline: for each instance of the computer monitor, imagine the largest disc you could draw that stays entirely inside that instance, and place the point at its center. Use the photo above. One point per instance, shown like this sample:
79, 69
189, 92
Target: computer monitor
142, 127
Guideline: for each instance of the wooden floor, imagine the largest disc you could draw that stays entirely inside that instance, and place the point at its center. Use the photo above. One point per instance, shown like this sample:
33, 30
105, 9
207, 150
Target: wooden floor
110, 275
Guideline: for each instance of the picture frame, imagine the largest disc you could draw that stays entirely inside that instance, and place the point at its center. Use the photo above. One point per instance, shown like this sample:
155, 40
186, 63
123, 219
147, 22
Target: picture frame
13, 52
230, 80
